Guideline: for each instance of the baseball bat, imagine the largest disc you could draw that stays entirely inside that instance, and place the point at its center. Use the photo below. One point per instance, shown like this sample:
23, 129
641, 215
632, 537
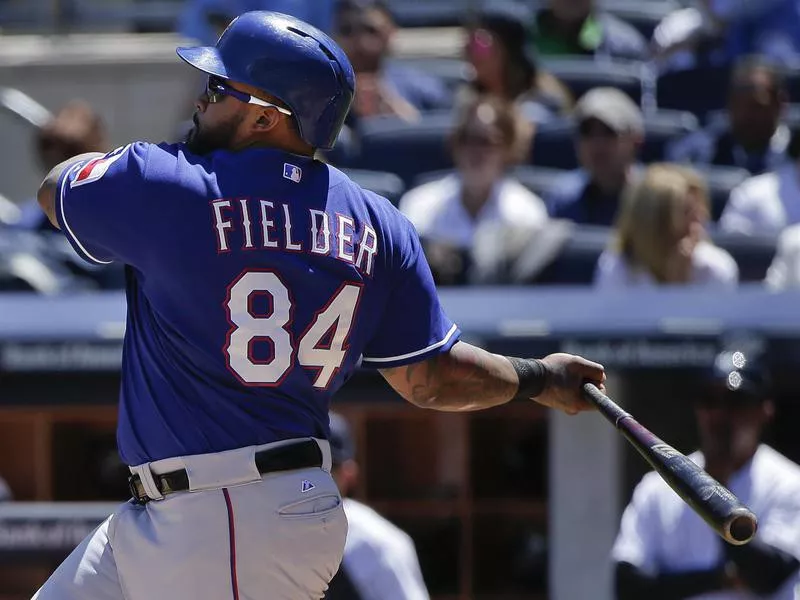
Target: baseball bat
708, 498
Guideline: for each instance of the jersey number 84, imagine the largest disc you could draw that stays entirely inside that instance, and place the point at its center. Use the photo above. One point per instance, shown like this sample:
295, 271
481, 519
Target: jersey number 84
333, 321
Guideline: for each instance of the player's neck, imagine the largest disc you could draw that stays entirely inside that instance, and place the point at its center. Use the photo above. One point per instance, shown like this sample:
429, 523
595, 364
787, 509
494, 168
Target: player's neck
294, 146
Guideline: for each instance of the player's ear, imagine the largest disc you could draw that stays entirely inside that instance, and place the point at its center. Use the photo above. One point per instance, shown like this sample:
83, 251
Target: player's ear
267, 120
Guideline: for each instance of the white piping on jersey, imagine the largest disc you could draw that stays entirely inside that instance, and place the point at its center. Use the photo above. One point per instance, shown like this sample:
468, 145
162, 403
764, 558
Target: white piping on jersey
71, 233
417, 352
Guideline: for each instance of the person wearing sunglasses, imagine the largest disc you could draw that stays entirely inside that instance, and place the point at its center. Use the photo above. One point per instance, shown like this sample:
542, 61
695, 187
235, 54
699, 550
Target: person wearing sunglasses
452, 212
664, 550
365, 29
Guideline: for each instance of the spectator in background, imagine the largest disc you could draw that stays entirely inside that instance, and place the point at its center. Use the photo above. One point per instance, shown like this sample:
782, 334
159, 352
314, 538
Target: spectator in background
364, 29
753, 137
380, 561
76, 128
579, 27
204, 20
784, 272
610, 131
660, 237
767, 203
665, 550
448, 212
504, 64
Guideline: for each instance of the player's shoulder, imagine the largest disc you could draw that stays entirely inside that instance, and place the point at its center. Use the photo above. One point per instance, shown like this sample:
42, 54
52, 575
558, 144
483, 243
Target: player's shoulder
776, 469
367, 527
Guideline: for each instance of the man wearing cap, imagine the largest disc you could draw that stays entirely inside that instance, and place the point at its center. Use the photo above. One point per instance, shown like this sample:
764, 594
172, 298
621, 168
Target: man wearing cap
665, 551
380, 561
609, 130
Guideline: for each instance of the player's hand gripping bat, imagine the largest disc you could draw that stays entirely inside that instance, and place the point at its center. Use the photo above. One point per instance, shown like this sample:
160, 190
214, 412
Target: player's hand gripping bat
710, 499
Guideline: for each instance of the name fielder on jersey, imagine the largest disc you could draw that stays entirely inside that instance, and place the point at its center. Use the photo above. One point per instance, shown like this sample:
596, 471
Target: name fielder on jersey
273, 228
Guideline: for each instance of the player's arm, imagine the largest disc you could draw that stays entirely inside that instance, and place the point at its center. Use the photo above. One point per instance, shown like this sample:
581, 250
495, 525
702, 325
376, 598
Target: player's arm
46, 196
468, 378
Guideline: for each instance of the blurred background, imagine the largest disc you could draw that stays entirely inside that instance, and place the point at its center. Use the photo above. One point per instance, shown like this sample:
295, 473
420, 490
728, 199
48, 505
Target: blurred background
612, 178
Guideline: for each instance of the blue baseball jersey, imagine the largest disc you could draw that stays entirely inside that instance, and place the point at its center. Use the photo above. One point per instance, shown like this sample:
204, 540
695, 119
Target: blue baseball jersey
257, 281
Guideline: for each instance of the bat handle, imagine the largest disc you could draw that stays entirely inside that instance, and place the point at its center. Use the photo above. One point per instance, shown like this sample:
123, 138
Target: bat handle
604, 404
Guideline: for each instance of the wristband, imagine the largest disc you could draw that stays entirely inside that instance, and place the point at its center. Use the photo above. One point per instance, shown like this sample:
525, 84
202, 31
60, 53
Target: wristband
532, 376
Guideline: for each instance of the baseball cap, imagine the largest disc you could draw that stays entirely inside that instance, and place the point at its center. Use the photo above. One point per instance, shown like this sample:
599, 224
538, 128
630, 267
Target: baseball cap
341, 440
612, 107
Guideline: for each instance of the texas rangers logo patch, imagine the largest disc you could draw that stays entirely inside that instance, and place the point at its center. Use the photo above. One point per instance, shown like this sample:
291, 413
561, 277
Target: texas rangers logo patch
97, 167
292, 172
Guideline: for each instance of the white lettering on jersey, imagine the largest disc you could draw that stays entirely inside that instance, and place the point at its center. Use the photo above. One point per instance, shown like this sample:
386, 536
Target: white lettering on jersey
221, 224
248, 233
267, 224
343, 237
318, 216
287, 225
367, 248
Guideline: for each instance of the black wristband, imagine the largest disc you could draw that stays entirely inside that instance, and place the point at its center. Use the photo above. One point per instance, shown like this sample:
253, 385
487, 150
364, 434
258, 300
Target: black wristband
532, 377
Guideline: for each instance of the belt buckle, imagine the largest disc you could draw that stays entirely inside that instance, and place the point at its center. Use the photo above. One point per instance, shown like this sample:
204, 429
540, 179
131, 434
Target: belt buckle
137, 497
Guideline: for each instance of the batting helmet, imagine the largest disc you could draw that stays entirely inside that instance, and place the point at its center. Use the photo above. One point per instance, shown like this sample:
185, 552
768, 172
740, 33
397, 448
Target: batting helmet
288, 59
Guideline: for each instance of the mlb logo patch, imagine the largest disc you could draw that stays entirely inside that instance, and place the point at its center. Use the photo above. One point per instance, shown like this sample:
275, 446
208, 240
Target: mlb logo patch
292, 172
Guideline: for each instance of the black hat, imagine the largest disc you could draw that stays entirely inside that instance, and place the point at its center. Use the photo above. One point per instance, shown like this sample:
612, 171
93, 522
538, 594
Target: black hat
342, 446
739, 371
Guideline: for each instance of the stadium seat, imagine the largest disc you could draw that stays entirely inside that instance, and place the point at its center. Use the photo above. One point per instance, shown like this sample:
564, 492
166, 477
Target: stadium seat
406, 149
720, 180
582, 74
539, 180
698, 91
643, 15
452, 71
388, 185
753, 253
430, 13
554, 144
576, 263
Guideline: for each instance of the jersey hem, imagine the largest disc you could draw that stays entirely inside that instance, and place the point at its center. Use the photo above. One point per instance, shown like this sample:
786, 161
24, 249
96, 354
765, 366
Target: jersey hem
443, 345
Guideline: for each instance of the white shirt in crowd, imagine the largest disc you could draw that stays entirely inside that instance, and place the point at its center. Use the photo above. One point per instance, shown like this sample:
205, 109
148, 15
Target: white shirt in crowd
784, 272
711, 266
436, 210
380, 558
661, 534
764, 204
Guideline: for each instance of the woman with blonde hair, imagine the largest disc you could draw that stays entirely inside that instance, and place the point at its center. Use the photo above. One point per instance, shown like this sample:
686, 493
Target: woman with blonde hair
660, 236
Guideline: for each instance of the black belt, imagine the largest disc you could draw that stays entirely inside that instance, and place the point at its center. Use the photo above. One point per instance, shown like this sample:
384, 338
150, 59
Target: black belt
301, 455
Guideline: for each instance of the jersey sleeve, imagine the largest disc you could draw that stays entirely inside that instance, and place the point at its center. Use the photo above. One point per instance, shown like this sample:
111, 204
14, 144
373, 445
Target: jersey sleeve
99, 205
413, 326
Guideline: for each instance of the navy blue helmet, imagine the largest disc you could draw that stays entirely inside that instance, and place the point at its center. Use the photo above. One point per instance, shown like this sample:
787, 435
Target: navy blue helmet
290, 60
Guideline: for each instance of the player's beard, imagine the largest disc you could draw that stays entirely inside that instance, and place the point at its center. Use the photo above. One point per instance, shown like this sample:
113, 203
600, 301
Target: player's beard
204, 139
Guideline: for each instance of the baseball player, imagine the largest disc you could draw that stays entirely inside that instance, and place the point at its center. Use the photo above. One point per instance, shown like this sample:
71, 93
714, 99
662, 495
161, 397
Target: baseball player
258, 278
664, 550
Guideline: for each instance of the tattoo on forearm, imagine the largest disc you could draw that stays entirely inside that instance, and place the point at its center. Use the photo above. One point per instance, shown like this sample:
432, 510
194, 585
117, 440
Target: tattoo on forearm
466, 378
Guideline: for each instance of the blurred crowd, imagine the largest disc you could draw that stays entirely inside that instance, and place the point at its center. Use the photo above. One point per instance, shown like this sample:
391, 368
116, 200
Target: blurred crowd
661, 137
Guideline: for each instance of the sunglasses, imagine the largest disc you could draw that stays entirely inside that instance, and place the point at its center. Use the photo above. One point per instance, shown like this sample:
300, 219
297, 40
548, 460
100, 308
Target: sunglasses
592, 128
217, 89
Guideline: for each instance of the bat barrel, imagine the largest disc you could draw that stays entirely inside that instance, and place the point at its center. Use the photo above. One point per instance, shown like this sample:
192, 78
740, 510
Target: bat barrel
740, 527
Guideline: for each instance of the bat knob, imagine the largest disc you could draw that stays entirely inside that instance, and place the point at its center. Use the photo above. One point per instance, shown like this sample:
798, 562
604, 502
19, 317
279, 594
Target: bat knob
740, 527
